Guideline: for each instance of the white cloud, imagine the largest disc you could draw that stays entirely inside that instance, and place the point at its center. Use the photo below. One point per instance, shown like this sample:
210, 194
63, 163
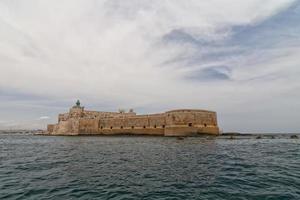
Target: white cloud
113, 50
43, 117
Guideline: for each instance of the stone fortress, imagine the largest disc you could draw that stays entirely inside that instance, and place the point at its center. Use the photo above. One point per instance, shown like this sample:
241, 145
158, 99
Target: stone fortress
183, 122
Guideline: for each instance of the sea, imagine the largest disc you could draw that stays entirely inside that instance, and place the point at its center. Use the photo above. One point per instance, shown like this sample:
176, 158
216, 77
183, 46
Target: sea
128, 167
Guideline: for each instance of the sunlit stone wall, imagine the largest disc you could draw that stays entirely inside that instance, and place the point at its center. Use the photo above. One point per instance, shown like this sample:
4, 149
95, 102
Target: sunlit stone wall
184, 122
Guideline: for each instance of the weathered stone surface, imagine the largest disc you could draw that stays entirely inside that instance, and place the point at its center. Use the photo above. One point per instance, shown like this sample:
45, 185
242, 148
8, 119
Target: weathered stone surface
184, 122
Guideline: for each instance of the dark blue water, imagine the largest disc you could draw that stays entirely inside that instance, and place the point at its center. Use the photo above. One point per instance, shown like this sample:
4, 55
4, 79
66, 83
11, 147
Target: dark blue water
41, 167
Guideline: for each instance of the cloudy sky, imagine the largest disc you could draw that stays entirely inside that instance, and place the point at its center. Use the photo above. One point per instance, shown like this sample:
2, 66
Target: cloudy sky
239, 58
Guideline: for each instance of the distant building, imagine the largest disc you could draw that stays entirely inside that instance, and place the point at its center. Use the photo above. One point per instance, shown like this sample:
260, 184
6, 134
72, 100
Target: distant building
183, 122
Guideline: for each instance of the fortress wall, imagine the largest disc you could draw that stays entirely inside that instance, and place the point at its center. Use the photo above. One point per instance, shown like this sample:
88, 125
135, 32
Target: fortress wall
88, 126
131, 114
124, 119
157, 120
174, 123
115, 122
208, 118
95, 114
152, 115
108, 122
191, 122
139, 125
194, 117
69, 127
111, 122
50, 128
76, 112
213, 130
75, 126
63, 127
136, 121
63, 117
132, 131
90, 114
183, 122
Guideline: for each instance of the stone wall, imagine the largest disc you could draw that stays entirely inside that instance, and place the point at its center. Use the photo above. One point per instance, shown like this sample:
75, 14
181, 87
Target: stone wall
191, 122
183, 122
88, 126
96, 114
196, 117
63, 117
50, 128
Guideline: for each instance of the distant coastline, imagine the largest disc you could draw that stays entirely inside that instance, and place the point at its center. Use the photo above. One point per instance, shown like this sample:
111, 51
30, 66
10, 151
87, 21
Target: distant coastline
41, 131
22, 131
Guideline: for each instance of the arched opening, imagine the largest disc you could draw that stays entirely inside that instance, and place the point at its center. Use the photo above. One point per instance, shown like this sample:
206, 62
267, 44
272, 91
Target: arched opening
154, 126
190, 124
121, 127
163, 126
132, 127
144, 126
101, 127
205, 125
111, 127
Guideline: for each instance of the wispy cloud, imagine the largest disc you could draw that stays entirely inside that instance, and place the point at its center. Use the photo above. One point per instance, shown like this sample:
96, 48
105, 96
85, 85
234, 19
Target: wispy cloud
43, 117
152, 56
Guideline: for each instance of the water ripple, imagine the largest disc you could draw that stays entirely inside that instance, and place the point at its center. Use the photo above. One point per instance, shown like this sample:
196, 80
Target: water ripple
34, 167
